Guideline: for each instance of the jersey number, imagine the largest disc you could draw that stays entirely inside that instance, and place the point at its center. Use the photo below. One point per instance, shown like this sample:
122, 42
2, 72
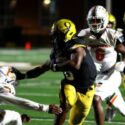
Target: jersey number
100, 54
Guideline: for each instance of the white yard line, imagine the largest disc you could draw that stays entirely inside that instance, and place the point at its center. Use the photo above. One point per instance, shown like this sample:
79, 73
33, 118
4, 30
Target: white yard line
19, 65
37, 94
87, 121
49, 85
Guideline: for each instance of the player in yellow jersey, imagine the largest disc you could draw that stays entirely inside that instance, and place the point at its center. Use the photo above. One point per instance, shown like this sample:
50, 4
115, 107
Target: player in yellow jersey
70, 56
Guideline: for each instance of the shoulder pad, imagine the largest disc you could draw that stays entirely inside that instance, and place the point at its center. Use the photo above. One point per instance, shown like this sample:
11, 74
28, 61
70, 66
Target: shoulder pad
74, 43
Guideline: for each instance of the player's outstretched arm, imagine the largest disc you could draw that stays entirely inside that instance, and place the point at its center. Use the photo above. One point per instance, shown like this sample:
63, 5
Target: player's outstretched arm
39, 70
33, 73
28, 104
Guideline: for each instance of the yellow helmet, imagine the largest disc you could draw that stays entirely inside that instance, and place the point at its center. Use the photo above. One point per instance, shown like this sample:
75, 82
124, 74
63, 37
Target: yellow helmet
66, 27
112, 20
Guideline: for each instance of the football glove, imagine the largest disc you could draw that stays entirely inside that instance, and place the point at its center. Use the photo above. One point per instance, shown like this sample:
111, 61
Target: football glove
25, 118
120, 66
54, 109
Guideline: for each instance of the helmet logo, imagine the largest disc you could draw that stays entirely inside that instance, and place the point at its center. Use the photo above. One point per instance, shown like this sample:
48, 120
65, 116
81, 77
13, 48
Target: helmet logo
67, 25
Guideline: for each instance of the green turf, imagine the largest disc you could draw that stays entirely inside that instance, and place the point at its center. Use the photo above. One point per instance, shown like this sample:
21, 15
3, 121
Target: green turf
43, 89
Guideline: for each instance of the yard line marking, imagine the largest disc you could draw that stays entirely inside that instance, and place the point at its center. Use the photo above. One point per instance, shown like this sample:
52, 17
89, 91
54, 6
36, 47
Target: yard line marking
41, 84
87, 121
38, 94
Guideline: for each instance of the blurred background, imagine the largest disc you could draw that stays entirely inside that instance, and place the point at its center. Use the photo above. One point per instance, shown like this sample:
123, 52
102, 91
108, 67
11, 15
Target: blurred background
26, 23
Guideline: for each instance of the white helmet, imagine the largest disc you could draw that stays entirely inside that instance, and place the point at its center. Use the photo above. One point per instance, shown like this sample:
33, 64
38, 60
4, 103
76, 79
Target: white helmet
97, 18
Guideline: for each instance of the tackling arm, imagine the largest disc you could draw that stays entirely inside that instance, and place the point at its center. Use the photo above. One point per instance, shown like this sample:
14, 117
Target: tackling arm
37, 71
28, 104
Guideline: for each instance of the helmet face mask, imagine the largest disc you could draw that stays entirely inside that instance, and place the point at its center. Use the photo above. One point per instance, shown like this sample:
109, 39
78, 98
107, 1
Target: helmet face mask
95, 24
97, 19
64, 29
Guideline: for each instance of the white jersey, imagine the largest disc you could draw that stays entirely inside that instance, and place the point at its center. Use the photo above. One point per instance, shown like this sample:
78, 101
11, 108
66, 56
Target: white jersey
7, 92
7, 80
102, 48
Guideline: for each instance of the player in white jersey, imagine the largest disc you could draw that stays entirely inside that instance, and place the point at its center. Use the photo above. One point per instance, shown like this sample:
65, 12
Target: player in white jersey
110, 110
104, 43
7, 95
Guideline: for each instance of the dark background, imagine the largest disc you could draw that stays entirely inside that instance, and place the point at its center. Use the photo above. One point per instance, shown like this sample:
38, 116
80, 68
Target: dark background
23, 21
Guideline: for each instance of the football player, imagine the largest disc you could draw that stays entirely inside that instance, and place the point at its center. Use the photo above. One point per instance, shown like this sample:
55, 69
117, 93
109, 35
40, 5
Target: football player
112, 21
7, 95
70, 56
110, 112
104, 43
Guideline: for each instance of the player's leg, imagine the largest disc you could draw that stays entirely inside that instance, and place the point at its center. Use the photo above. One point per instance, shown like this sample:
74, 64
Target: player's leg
67, 100
98, 110
82, 107
106, 85
11, 117
110, 111
119, 102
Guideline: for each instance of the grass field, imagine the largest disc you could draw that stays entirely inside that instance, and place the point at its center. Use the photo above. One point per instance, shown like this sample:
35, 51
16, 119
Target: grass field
43, 89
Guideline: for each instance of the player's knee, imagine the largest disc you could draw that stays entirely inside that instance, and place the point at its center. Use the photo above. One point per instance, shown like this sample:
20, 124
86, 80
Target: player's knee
66, 106
96, 100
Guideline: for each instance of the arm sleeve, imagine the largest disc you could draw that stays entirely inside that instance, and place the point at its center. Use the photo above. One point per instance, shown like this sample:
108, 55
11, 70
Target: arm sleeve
38, 70
35, 72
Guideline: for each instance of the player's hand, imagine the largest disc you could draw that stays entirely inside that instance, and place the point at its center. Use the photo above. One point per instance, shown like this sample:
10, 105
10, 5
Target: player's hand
120, 66
54, 109
25, 118
19, 75
53, 65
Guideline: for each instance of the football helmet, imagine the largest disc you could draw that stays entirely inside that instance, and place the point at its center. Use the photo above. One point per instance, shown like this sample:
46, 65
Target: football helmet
112, 20
65, 28
97, 18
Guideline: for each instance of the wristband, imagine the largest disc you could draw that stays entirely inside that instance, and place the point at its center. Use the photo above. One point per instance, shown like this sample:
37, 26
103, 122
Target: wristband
44, 108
